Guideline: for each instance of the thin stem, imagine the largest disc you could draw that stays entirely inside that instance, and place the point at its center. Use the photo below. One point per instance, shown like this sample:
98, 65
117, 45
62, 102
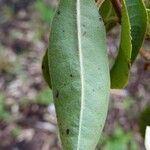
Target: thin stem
117, 6
99, 3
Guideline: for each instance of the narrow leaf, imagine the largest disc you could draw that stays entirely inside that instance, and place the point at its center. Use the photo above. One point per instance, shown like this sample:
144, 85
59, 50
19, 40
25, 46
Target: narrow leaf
79, 72
138, 20
134, 16
120, 71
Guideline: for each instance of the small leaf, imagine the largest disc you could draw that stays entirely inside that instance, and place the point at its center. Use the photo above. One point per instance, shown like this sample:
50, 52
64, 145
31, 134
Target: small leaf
45, 69
79, 72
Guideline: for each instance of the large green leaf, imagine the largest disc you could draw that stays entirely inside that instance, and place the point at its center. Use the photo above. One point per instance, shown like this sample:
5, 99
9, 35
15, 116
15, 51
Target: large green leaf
138, 20
134, 16
79, 73
120, 71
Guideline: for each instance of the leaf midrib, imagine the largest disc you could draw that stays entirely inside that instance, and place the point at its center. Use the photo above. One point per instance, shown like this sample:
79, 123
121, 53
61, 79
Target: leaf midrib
78, 9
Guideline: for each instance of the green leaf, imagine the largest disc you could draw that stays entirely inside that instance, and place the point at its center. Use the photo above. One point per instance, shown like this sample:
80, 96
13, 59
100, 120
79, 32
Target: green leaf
138, 20
108, 14
120, 71
45, 69
79, 73
134, 16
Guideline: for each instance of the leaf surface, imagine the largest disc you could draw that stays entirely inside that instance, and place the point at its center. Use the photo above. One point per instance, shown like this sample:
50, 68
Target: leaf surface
79, 72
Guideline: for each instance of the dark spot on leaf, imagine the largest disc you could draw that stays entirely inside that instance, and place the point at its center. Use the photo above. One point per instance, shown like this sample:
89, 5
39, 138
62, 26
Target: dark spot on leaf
43, 67
57, 94
83, 25
71, 75
67, 131
58, 12
63, 31
100, 18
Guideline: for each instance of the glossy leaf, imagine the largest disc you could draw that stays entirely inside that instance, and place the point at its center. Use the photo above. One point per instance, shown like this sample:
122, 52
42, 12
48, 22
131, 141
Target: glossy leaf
134, 16
79, 72
138, 20
120, 71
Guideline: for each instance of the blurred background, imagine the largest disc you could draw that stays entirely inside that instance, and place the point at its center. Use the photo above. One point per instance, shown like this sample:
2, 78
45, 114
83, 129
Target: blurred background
27, 113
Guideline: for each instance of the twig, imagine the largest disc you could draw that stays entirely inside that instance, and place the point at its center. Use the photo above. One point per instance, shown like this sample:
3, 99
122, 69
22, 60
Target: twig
99, 3
145, 54
117, 6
